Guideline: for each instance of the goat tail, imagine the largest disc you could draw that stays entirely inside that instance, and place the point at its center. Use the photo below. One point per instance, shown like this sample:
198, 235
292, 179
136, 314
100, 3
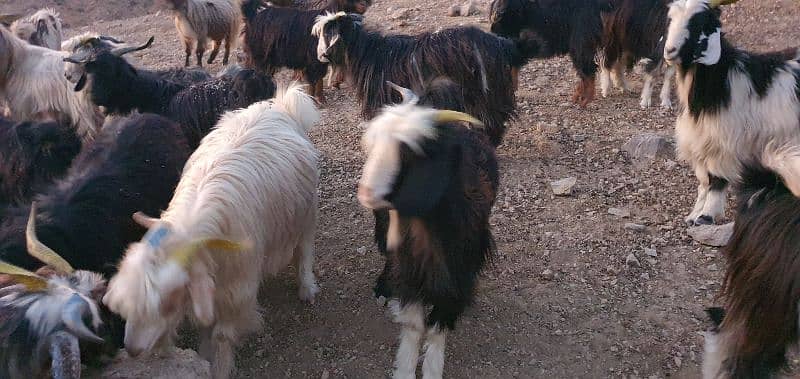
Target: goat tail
784, 160
250, 8
299, 105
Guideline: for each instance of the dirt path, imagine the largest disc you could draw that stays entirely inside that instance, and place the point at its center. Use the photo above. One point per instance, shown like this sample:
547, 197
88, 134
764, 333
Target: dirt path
596, 317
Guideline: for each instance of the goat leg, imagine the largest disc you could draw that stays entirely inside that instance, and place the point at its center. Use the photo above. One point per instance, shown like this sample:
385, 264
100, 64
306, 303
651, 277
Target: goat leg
214, 52
66, 356
199, 51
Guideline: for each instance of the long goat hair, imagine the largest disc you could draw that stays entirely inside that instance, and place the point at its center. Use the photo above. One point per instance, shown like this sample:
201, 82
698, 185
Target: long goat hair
32, 156
481, 63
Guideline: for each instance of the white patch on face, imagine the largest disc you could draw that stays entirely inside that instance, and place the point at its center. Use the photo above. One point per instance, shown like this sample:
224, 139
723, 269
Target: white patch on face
318, 30
713, 50
323, 46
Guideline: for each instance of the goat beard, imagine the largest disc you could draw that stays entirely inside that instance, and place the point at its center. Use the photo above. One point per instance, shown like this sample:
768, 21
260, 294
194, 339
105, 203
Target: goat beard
81, 83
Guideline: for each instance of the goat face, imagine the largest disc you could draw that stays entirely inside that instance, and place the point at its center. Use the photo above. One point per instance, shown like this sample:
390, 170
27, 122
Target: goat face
409, 163
331, 29
694, 35
508, 17
86, 47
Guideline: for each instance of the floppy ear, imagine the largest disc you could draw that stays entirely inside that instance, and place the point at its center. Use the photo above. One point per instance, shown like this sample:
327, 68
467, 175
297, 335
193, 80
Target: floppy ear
425, 181
709, 49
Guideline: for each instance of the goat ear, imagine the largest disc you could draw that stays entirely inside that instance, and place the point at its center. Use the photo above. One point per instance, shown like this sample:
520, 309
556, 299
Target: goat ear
424, 182
709, 49
201, 291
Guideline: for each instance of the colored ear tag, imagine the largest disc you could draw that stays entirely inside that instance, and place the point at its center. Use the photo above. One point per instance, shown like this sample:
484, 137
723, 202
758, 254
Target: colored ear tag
155, 236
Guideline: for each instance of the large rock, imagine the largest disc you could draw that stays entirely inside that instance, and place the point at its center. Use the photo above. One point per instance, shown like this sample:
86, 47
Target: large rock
712, 235
645, 148
176, 364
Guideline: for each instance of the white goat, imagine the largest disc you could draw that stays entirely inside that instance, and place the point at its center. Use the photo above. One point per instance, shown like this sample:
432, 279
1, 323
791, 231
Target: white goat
33, 84
42, 28
254, 179
198, 21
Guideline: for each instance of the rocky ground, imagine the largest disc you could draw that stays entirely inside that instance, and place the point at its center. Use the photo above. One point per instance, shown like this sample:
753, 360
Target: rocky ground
576, 290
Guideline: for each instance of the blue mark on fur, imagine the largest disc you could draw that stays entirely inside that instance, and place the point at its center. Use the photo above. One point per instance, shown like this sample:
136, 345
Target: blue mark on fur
155, 236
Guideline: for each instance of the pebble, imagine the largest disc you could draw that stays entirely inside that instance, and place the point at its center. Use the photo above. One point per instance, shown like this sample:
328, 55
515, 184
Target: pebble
644, 148
632, 261
651, 252
712, 235
635, 227
563, 187
619, 212
548, 274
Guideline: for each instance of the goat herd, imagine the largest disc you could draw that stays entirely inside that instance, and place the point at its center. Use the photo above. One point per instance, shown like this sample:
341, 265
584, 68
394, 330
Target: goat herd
98, 147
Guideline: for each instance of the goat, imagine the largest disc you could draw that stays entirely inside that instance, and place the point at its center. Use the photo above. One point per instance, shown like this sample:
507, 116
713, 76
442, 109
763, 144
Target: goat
636, 30
43, 318
120, 88
200, 20
254, 180
483, 64
33, 155
734, 102
438, 180
761, 287
348, 6
42, 28
572, 27
34, 87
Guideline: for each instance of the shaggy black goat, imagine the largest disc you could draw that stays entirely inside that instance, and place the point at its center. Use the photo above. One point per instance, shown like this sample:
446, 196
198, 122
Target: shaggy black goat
636, 30
481, 63
571, 27
279, 37
33, 155
762, 283
121, 88
437, 180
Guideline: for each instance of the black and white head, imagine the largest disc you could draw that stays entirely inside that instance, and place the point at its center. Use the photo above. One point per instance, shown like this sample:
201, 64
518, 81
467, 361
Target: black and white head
695, 32
158, 279
85, 52
409, 163
45, 317
331, 29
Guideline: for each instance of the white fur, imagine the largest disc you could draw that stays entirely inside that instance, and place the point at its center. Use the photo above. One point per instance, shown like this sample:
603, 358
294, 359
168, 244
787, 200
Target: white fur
412, 319
605, 81
253, 178
785, 160
27, 26
205, 20
433, 365
400, 124
318, 30
712, 356
35, 86
647, 91
666, 88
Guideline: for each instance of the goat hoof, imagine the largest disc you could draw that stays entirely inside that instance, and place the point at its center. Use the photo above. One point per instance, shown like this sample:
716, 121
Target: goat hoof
704, 220
308, 293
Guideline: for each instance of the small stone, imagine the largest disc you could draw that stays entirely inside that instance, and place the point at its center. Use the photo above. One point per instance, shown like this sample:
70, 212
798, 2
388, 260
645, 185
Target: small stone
579, 137
563, 187
632, 261
548, 274
635, 227
651, 252
454, 11
645, 148
645, 276
361, 250
325, 374
678, 361
400, 14
619, 212
712, 235
670, 164
713, 267
469, 8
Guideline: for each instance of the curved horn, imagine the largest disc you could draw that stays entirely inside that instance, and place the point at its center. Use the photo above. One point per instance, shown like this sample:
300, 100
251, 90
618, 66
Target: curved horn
409, 97
79, 57
717, 3
144, 220
128, 49
110, 39
30, 280
72, 317
40, 251
442, 116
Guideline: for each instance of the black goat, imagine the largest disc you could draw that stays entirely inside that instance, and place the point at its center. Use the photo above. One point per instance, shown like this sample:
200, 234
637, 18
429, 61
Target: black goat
121, 88
762, 283
636, 30
435, 180
33, 155
348, 6
482, 64
571, 27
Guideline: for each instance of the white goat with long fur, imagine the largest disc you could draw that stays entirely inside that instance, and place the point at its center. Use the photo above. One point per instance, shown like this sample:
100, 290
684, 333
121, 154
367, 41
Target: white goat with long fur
33, 84
253, 180
735, 103
198, 21
42, 28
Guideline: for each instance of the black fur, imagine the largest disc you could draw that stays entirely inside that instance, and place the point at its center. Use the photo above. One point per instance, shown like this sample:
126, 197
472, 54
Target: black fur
33, 155
371, 59
348, 6
717, 183
121, 88
636, 29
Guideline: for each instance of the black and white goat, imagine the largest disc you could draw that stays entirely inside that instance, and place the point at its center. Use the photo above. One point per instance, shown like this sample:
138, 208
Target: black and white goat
761, 289
32, 156
734, 102
484, 65
636, 31
121, 88
437, 179
562, 27
43, 317
280, 37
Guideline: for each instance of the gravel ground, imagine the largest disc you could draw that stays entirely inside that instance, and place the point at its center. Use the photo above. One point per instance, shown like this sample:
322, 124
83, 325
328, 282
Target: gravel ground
559, 299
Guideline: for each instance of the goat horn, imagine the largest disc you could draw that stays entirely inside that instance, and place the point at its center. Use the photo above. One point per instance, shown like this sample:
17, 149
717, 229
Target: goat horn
128, 49
40, 251
30, 280
442, 116
184, 255
108, 38
717, 3
72, 317
144, 220
409, 97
